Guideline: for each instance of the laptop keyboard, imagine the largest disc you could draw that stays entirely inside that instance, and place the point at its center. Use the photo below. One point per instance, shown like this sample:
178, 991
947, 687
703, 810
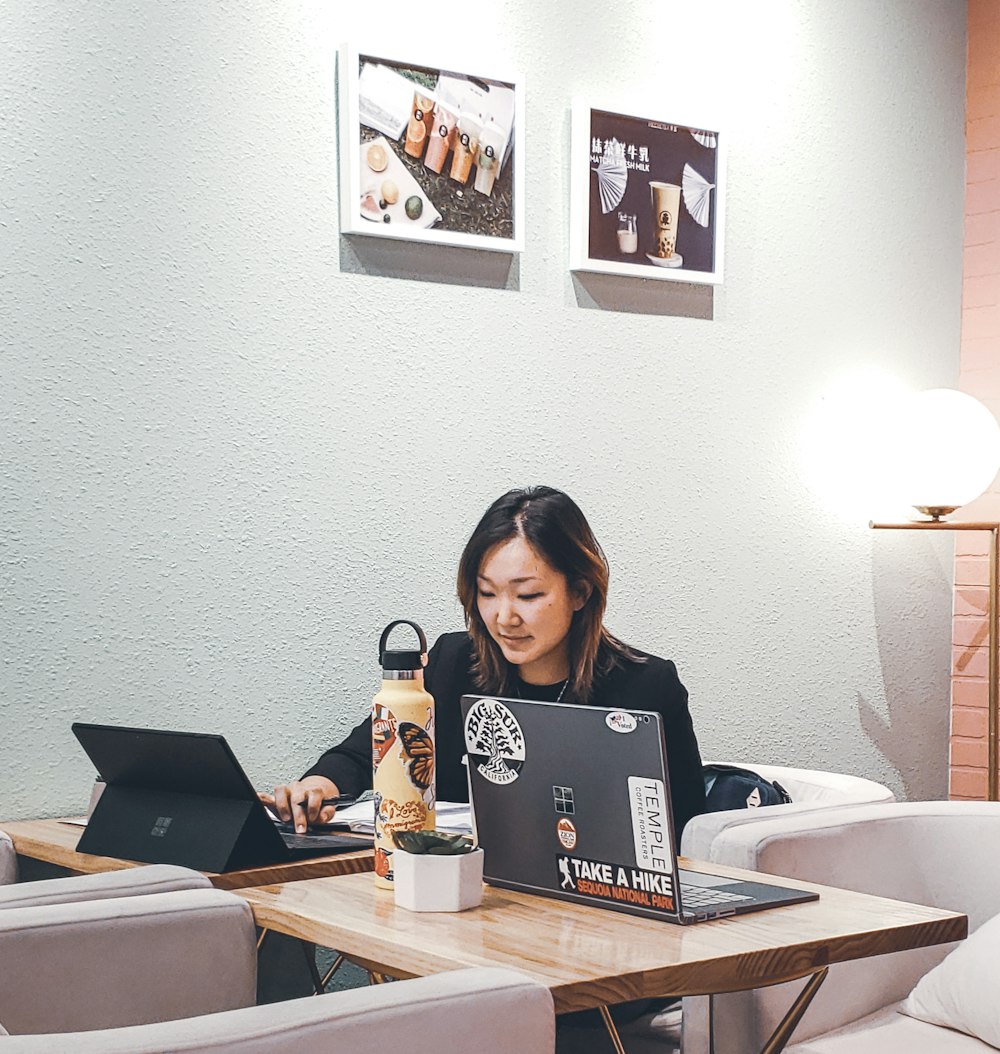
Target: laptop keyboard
702, 897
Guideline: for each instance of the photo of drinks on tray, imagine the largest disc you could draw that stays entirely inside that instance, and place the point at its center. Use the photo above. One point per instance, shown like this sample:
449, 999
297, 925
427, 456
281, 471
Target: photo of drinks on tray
646, 197
429, 154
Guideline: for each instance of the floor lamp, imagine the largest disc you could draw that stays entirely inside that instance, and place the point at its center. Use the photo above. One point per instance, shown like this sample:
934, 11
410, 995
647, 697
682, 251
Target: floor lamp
947, 454
992, 790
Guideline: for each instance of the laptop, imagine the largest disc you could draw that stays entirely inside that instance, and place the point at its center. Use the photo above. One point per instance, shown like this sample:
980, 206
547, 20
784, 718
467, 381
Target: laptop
182, 798
573, 802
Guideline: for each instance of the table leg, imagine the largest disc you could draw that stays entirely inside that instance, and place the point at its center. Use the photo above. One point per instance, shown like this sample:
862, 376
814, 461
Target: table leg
786, 1026
337, 963
609, 1024
309, 951
698, 1023
260, 939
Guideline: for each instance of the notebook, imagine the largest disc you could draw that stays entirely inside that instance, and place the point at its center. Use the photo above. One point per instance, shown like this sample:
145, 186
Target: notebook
182, 798
573, 802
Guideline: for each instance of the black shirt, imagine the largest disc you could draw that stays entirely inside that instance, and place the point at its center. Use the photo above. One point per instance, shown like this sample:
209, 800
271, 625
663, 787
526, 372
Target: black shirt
652, 684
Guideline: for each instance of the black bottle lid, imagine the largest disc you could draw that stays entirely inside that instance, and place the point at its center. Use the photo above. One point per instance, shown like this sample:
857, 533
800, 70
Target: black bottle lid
402, 658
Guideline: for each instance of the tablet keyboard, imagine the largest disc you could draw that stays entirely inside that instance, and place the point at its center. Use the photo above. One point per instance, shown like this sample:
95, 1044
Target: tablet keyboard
312, 841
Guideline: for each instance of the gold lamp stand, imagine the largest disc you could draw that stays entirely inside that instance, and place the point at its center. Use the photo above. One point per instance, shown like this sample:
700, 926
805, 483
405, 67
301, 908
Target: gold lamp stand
936, 524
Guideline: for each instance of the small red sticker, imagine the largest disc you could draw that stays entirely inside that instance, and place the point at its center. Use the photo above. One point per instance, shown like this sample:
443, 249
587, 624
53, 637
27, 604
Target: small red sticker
567, 833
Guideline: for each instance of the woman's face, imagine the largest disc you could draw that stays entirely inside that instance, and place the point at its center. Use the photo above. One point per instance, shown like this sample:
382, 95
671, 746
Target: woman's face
528, 607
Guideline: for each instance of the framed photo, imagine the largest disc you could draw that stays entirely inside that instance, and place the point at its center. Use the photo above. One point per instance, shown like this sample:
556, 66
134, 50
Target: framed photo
646, 196
429, 153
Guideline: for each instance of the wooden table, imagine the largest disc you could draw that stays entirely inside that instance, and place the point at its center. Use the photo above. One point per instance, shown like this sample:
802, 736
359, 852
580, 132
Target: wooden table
589, 957
54, 842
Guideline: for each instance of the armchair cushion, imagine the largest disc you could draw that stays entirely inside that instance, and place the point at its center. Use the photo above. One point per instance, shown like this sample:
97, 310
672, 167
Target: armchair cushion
961, 991
888, 1031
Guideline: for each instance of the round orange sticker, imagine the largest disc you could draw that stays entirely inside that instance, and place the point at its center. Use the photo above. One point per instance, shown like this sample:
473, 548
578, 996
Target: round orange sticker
567, 833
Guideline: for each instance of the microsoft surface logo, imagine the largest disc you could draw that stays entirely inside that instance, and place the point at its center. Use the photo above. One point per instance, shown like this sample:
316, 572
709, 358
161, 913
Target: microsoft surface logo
161, 825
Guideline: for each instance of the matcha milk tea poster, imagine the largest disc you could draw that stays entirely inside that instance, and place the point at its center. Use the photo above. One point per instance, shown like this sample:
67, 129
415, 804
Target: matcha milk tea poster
652, 202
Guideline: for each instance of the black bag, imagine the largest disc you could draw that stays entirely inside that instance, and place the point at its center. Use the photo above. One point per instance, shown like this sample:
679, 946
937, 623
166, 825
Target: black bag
729, 787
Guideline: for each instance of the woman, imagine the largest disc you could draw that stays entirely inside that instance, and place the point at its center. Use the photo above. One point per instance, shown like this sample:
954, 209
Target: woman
533, 582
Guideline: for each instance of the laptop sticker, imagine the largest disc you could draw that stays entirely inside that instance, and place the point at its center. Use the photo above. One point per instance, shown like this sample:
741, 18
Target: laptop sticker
566, 833
616, 883
650, 833
494, 741
562, 798
619, 721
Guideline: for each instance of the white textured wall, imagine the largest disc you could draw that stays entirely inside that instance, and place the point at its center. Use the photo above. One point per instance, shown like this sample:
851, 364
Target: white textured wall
233, 444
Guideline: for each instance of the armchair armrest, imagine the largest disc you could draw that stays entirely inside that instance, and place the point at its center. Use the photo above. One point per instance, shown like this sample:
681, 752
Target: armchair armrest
123, 961
812, 790
129, 882
490, 1011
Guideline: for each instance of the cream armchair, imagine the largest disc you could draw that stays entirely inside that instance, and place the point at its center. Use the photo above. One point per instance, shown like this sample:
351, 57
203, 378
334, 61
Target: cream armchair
704, 838
177, 971
943, 854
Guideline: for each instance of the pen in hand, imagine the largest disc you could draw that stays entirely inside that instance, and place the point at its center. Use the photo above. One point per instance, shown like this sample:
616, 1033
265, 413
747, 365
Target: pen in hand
343, 800
298, 811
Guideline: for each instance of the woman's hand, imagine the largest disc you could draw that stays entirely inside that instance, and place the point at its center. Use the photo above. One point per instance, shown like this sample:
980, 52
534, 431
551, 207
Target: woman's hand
301, 802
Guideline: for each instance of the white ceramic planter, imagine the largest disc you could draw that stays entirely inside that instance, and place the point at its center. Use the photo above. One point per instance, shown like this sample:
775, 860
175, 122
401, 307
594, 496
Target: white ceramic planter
438, 883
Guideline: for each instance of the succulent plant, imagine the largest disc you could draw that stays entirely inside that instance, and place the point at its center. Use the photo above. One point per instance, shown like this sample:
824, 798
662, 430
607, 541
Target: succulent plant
432, 843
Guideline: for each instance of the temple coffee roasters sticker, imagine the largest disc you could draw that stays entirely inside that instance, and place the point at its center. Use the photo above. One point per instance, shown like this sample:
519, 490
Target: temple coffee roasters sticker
494, 741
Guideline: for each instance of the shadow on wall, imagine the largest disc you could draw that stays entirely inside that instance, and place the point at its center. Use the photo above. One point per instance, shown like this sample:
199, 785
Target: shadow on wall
427, 262
912, 595
643, 296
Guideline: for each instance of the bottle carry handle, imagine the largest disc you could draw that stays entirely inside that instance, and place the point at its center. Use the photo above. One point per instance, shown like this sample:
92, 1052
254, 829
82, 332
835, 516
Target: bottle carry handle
401, 622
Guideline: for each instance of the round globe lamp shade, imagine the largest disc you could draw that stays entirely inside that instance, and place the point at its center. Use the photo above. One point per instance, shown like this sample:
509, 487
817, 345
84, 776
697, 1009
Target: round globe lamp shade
949, 450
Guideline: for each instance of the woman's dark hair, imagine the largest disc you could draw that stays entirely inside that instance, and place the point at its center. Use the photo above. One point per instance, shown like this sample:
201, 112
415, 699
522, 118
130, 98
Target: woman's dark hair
553, 525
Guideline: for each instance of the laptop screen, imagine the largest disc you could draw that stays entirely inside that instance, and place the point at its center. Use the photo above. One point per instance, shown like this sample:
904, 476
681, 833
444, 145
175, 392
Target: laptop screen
150, 759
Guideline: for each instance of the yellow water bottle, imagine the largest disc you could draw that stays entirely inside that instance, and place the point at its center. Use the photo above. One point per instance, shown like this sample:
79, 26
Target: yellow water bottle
402, 749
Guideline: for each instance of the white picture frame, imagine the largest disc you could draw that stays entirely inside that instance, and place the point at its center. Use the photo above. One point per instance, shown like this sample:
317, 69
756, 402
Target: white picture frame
394, 192
622, 166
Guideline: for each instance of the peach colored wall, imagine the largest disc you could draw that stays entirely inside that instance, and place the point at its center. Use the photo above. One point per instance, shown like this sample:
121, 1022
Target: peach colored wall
980, 376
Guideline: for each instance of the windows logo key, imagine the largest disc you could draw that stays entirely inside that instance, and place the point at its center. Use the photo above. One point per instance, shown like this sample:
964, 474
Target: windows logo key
160, 827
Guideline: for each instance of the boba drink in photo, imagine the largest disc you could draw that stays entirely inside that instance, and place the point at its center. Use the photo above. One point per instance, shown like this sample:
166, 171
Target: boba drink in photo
421, 120
442, 136
666, 200
488, 158
466, 146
